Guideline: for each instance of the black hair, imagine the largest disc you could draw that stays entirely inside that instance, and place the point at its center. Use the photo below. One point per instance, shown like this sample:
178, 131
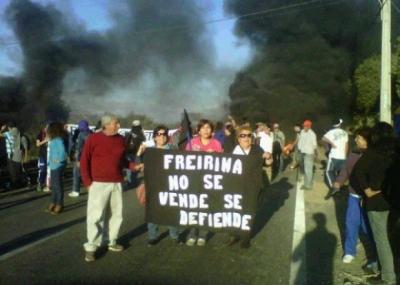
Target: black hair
159, 128
366, 133
55, 130
204, 122
383, 139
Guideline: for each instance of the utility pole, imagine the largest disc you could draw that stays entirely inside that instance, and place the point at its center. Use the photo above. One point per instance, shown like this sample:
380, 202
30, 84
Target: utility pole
386, 63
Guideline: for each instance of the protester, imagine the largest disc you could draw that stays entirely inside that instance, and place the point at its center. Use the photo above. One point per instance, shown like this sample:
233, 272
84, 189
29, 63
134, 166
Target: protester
367, 180
203, 142
84, 132
308, 149
101, 169
230, 138
57, 162
133, 141
41, 144
356, 217
337, 139
219, 133
265, 141
245, 146
295, 147
160, 137
15, 154
278, 146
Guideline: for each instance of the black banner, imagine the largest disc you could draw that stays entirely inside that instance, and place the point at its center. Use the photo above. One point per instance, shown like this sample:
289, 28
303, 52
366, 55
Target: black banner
206, 190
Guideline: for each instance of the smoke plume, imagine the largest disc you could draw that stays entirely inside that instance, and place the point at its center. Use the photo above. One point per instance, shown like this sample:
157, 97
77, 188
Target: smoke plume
156, 59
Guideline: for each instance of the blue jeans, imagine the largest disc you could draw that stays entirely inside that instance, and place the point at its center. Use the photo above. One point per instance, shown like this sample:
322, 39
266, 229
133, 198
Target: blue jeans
153, 231
308, 167
332, 170
42, 166
356, 220
76, 180
56, 186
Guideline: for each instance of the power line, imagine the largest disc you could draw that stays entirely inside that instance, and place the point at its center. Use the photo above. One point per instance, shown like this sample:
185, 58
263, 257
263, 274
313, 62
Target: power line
256, 15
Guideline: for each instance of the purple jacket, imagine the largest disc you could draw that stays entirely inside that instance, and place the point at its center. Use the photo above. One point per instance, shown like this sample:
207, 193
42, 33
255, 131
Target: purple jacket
347, 169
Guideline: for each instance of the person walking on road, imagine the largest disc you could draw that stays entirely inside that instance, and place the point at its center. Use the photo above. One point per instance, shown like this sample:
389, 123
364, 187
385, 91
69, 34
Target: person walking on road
308, 149
338, 142
101, 169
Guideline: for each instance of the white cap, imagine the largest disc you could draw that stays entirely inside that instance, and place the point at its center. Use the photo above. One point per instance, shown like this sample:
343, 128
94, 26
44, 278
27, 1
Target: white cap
136, 123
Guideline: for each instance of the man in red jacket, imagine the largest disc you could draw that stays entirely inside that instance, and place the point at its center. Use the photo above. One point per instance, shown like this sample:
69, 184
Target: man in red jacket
101, 164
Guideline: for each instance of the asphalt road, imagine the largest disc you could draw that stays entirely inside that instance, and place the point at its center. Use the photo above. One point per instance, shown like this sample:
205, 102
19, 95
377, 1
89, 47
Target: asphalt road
39, 248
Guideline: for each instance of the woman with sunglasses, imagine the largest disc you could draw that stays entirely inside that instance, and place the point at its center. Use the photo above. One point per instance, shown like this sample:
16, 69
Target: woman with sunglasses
160, 137
245, 146
203, 142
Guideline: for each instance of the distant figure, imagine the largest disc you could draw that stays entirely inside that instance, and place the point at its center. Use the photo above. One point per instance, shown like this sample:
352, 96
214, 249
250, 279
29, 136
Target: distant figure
338, 141
265, 140
42, 144
230, 138
57, 162
308, 149
84, 132
219, 133
295, 147
279, 144
15, 146
101, 165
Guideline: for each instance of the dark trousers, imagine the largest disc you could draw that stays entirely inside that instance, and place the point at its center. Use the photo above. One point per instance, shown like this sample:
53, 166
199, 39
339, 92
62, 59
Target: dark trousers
56, 186
76, 181
15, 171
42, 166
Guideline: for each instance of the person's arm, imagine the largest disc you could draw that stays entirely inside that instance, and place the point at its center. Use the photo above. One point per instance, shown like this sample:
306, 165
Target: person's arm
85, 163
328, 141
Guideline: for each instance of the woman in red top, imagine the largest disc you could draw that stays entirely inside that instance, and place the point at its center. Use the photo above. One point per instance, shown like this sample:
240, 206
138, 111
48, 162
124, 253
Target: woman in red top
203, 142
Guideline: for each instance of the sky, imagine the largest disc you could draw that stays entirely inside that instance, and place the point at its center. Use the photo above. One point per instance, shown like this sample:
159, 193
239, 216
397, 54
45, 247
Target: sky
231, 53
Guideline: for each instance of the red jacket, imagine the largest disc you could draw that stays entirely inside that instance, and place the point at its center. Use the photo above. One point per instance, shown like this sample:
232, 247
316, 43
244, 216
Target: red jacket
103, 158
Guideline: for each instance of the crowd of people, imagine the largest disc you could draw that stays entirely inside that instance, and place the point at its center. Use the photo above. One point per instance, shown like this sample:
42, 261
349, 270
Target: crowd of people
103, 160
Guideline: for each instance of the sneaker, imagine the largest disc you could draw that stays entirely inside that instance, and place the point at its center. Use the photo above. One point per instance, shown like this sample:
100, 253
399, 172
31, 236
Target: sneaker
305, 188
46, 189
347, 258
201, 242
190, 242
39, 188
116, 248
73, 194
151, 242
90, 256
371, 268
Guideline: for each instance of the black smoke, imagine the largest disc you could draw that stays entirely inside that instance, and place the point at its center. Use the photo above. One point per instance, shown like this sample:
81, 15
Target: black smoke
155, 50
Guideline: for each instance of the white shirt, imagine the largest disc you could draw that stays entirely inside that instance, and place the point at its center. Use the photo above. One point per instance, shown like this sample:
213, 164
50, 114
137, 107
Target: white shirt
240, 151
307, 142
339, 138
266, 142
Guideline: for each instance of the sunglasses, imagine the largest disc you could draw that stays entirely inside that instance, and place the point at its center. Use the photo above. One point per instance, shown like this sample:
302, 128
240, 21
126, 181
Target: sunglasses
161, 134
245, 136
